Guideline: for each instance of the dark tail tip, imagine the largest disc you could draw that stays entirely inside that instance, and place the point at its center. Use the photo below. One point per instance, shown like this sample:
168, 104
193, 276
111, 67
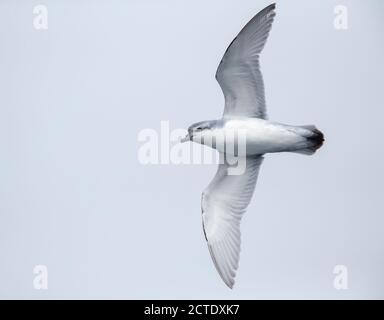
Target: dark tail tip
318, 138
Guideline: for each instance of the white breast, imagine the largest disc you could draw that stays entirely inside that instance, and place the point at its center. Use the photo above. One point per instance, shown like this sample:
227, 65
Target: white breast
259, 136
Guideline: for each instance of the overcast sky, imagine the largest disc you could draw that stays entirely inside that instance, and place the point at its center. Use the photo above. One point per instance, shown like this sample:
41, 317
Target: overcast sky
75, 198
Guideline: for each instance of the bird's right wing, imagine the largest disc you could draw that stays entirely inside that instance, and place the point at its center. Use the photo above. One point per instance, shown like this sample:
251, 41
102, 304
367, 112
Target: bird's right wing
239, 72
223, 204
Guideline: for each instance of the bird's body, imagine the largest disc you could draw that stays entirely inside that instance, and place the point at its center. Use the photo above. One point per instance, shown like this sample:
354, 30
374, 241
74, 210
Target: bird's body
226, 198
261, 136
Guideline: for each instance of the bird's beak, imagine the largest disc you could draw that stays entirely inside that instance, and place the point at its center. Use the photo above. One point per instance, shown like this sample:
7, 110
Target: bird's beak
186, 138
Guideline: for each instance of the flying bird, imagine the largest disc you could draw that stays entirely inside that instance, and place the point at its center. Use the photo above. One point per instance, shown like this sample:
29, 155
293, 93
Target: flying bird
226, 198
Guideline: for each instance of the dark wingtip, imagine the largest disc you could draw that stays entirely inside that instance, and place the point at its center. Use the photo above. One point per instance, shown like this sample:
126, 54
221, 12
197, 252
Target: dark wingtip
270, 10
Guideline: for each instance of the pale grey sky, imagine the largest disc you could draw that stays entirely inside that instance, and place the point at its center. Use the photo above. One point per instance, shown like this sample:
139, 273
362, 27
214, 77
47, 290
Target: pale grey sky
74, 197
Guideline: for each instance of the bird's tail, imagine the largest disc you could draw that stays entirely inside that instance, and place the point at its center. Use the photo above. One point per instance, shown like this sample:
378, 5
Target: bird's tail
314, 140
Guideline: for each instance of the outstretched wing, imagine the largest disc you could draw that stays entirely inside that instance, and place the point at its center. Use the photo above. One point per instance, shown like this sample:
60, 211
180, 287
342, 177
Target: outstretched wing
239, 72
223, 204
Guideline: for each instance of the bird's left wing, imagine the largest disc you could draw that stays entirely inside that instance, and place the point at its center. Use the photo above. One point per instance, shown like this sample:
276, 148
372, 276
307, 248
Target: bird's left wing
223, 204
239, 72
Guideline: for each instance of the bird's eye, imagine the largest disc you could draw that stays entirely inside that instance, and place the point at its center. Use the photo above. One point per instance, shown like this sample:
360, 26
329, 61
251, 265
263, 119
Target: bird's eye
198, 128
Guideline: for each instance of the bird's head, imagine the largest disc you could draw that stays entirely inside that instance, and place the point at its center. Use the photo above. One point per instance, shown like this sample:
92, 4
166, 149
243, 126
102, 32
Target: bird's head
199, 130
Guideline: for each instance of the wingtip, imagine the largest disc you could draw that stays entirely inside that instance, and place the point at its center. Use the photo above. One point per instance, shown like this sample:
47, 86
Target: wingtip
230, 285
272, 8
229, 282
269, 11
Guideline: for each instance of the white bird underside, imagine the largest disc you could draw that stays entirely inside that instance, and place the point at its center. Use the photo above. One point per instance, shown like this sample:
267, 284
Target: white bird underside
226, 198
262, 136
